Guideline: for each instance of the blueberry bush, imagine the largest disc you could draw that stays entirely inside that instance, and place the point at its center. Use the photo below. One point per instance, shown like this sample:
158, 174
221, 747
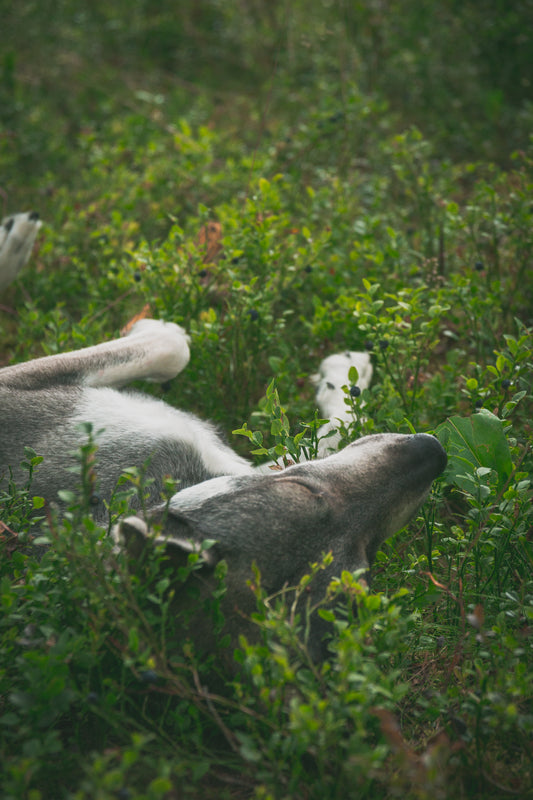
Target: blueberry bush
284, 180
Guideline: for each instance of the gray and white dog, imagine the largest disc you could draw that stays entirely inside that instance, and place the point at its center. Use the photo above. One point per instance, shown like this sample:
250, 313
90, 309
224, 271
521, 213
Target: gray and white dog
346, 503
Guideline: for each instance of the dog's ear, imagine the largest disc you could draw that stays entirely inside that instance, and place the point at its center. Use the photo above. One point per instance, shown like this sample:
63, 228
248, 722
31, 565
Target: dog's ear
277, 522
222, 507
133, 535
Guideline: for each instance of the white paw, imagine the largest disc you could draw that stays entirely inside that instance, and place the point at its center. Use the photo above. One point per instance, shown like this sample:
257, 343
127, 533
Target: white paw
17, 237
158, 328
333, 375
166, 347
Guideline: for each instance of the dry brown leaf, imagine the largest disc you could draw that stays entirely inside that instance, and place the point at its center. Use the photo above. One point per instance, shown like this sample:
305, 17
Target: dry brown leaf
143, 314
210, 238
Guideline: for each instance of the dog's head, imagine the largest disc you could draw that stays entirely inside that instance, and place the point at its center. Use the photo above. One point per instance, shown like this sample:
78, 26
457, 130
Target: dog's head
346, 504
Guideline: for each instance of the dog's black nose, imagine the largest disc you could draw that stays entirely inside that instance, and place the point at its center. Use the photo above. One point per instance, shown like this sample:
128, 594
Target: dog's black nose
34, 216
429, 447
8, 224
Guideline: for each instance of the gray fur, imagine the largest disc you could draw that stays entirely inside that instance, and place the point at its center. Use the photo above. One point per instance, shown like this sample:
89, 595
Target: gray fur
44, 402
346, 504
50, 421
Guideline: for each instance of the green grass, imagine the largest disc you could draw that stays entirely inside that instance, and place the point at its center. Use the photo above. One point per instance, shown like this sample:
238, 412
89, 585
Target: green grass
370, 169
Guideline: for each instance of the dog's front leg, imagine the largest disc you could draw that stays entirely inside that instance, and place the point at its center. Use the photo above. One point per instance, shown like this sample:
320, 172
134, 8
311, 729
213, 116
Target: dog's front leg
333, 374
17, 237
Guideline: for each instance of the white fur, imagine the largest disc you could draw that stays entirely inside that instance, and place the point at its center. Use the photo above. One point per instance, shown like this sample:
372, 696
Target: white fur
157, 351
17, 237
331, 377
119, 415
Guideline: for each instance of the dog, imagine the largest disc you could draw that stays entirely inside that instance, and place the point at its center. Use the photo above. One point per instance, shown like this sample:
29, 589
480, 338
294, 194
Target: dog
346, 503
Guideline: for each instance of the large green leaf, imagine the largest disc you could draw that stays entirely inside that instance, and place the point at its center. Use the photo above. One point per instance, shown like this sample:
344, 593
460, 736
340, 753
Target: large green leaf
474, 442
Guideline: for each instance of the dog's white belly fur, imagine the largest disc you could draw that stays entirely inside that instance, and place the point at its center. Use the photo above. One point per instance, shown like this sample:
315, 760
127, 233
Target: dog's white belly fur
118, 415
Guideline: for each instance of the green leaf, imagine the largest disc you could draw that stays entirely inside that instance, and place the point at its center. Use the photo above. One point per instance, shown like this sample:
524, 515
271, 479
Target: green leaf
474, 442
133, 640
257, 438
500, 363
353, 375
159, 786
248, 749
41, 541
66, 496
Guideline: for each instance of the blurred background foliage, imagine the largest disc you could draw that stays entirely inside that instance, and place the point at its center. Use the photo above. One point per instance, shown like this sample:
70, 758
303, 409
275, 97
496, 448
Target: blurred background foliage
461, 71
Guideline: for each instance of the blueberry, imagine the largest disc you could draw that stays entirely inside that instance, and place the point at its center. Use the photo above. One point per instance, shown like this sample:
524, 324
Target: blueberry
479, 404
383, 344
479, 265
506, 383
123, 794
137, 276
308, 268
203, 273
149, 676
369, 345
253, 314
94, 499
355, 391
92, 698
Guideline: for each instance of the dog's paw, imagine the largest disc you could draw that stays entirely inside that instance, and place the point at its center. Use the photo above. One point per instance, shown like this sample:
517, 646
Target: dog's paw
333, 375
165, 344
158, 328
17, 237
